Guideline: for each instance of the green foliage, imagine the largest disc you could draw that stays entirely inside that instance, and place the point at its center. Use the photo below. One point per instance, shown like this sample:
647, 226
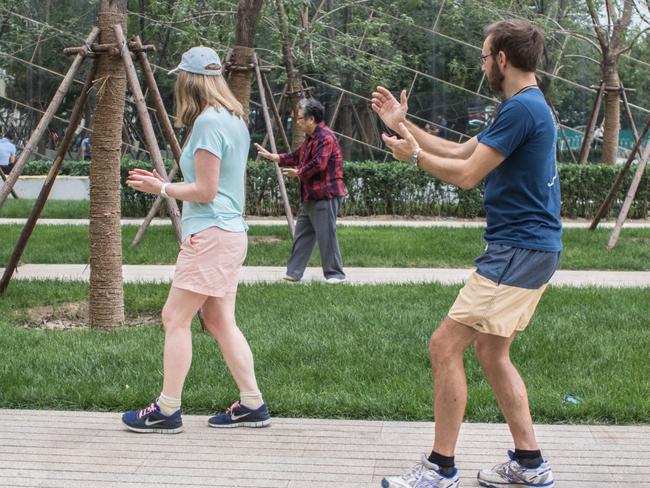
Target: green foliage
376, 188
584, 188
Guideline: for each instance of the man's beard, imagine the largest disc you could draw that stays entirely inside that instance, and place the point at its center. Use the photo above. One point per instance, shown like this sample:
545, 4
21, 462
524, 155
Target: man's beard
495, 77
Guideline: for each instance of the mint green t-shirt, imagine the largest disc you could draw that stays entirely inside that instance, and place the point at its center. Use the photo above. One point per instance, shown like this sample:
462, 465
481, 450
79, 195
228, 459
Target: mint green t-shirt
226, 136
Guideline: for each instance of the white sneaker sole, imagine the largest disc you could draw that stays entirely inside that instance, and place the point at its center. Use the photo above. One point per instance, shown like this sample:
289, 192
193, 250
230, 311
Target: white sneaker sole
253, 425
492, 484
178, 430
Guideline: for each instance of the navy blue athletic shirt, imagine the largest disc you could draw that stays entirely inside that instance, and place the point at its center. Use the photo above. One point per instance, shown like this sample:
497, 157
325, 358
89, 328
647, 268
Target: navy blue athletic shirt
522, 195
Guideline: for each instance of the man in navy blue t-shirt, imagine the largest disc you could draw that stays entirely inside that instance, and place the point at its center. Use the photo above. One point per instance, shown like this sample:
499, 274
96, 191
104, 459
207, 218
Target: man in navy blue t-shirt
516, 158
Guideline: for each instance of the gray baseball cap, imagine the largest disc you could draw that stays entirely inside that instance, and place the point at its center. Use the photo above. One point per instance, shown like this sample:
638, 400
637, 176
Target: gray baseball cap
196, 59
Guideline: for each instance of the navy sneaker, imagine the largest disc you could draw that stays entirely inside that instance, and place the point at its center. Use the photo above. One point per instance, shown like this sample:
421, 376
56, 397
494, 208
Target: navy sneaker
150, 420
239, 415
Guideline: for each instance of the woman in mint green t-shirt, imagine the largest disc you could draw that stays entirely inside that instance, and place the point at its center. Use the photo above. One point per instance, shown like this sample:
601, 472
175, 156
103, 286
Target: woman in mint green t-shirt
213, 249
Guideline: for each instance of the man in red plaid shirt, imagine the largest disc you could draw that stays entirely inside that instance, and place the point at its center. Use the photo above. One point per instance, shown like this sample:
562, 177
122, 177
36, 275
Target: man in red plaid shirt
319, 166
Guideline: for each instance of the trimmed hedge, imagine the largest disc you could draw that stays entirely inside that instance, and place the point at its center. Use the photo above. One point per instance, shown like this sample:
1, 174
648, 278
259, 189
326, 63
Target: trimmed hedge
376, 188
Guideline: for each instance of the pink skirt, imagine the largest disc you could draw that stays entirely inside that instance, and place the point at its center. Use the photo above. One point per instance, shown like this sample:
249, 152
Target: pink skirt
209, 262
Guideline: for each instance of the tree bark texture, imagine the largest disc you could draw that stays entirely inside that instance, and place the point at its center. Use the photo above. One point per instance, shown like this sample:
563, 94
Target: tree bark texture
248, 13
294, 78
612, 110
611, 39
106, 301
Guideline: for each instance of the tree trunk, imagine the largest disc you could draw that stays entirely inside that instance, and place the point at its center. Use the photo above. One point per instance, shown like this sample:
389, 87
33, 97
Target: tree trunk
294, 78
240, 81
611, 38
106, 301
612, 110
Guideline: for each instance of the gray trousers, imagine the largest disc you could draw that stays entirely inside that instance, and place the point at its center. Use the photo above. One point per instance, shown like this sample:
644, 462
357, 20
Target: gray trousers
316, 222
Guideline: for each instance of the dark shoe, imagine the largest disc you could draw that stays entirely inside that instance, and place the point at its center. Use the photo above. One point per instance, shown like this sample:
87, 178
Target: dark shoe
151, 420
239, 415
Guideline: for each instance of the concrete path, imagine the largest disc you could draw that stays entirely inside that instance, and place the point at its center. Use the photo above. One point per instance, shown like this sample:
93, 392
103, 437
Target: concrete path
93, 450
355, 222
356, 276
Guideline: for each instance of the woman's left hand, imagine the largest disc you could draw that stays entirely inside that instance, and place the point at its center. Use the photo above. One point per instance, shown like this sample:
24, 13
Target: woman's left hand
145, 181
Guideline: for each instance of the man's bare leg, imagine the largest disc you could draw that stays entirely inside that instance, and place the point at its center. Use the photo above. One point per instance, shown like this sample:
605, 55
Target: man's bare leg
493, 353
447, 346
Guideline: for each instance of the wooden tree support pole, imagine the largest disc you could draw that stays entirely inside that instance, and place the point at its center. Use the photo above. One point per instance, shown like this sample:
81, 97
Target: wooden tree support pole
276, 113
147, 127
640, 170
75, 119
564, 137
269, 131
336, 111
628, 110
604, 207
266, 136
45, 120
362, 131
167, 130
4, 178
589, 130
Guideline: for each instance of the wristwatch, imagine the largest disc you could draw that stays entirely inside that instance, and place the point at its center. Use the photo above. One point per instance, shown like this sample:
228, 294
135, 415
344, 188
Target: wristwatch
414, 156
163, 190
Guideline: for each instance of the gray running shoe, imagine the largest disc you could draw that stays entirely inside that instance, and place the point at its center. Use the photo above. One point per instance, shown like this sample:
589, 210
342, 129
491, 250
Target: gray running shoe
511, 473
423, 475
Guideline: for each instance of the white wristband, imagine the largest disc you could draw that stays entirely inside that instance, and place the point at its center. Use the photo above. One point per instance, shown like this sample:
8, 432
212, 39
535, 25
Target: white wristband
163, 190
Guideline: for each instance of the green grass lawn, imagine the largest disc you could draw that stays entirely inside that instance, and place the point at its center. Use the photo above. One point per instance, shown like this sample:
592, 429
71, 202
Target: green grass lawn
345, 361
54, 209
360, 246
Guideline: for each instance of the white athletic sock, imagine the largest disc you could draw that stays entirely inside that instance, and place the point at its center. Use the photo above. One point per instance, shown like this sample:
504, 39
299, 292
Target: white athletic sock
168, 405
251, 399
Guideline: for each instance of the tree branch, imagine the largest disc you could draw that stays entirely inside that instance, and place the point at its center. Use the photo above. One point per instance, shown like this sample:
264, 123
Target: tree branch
633, 42
602, 39
621, 26
579, 35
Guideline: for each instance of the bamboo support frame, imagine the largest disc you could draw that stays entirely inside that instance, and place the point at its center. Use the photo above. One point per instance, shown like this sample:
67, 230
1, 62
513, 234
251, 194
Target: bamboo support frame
562, 133
28, 228
276, 113
167, 130
636, 149
629, 112
45, 121
279, 121
589, 130
269, 130
640, 170
362, 130
4, 178
602, 210
147, 127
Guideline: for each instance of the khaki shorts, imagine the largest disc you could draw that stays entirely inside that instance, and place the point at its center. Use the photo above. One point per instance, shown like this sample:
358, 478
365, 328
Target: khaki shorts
210, 261
494, 309
501, 296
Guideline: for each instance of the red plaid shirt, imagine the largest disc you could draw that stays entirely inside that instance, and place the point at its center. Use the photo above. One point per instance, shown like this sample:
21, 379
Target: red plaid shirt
320, 165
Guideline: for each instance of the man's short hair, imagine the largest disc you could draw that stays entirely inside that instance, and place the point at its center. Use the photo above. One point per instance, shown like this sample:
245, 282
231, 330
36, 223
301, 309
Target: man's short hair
312, 108
9, 134
521, 41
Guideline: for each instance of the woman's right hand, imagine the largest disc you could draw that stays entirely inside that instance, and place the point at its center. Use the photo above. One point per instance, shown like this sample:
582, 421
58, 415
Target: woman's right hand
144, 172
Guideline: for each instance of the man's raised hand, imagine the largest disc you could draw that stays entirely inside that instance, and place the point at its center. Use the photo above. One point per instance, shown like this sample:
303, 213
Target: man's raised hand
388, 108
403, 147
